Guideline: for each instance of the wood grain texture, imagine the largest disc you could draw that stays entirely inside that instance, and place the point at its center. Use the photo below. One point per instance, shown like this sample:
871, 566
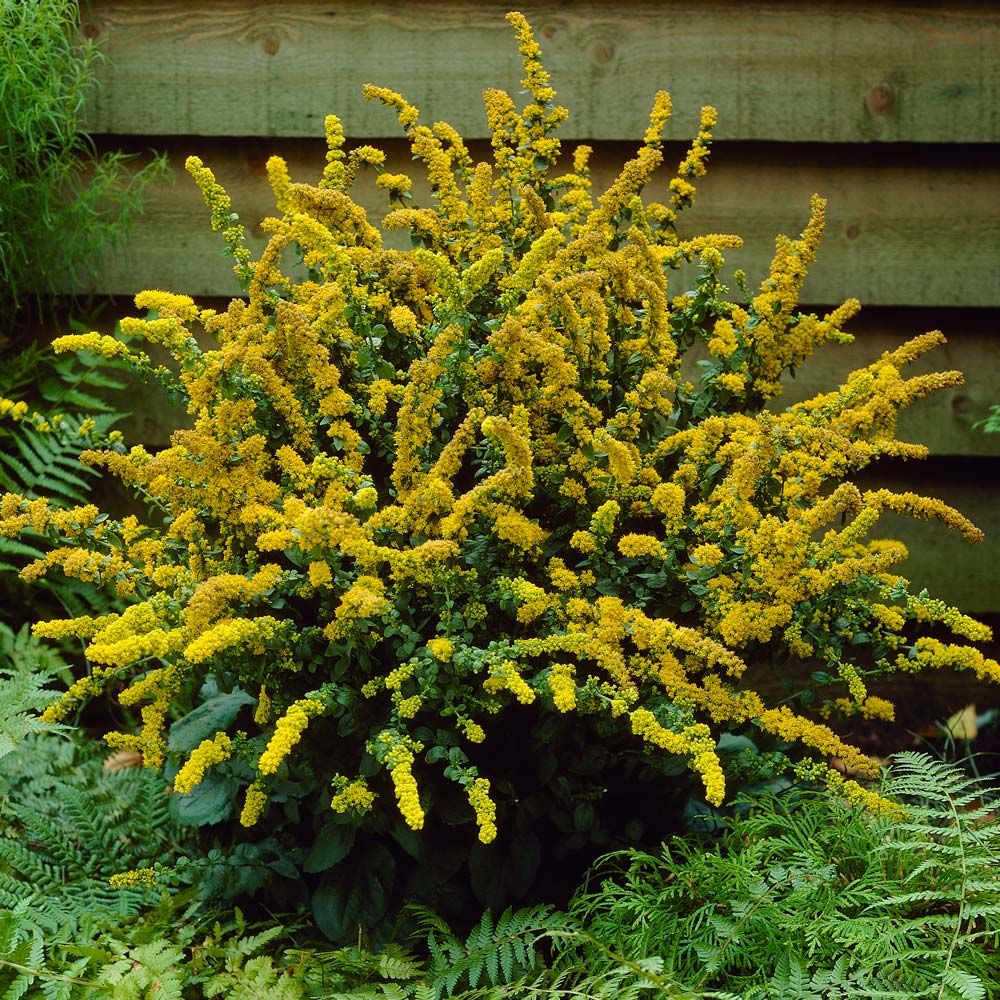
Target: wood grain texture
793, 71
957, 571
898, 232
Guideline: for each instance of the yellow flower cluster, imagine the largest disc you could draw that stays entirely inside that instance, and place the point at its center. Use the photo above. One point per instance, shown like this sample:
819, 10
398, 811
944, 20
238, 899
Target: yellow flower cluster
695, 741
563, 687
399, 760
441, 648
287, 732
205, 755
474, 732
507, 677
253, 805
139, 876
635, 546
455, 477
14, 410
485, 809
352, 795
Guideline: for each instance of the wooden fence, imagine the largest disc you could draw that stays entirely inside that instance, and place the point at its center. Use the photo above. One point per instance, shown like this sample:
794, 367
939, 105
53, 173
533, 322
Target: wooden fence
889, 110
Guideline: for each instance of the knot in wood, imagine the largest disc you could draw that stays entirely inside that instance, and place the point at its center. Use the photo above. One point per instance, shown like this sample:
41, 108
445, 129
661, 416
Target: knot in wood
880, 98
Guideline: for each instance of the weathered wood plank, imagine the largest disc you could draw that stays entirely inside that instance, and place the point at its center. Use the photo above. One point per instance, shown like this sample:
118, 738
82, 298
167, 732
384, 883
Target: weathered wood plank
957, 571
819, 71
898, 232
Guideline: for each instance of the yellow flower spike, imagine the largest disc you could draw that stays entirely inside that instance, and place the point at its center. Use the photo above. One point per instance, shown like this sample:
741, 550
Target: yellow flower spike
395, 184
407, 708
230, 633
262, 713
106, 347
221, 207
541, 252
208, 753
485, 809
507, 677
280, 181
400, 762
320, 574
562, 686
144, 877
621, 459
535, 78
634, 546
253, 805
352, 795
409, 116
181, 307
334, 172
474, 732
364, 599
658, 119
403, 320
603, 521
287, 732
17, 410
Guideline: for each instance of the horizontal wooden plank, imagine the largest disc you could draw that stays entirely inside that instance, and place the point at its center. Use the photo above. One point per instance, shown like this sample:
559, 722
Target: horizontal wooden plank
823, 71
897, 231
957, 571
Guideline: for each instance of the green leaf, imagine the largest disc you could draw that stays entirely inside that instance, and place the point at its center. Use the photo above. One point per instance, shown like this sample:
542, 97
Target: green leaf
504, 872
209, 802
332, 845
207, 719
355, 897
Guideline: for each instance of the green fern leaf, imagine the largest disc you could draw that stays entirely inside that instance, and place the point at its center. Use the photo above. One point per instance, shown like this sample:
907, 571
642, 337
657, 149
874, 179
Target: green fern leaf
397, 966
964, 985
26, 955
257, 980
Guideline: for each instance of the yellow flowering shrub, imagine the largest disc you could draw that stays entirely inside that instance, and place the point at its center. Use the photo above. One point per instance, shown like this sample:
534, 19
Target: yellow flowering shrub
429, 497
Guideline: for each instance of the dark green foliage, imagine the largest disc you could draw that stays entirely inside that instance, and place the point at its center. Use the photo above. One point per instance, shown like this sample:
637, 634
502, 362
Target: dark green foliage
490, 954
57, 863
990, 424
47, 464
61, 203
806, 897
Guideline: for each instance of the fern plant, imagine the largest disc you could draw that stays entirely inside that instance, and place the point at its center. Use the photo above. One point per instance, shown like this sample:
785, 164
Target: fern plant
40, 457
58, 866
26, 666
806, 897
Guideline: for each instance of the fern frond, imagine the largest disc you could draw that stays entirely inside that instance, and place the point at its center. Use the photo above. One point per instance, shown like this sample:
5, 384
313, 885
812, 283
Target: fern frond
258, 979
496, 953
